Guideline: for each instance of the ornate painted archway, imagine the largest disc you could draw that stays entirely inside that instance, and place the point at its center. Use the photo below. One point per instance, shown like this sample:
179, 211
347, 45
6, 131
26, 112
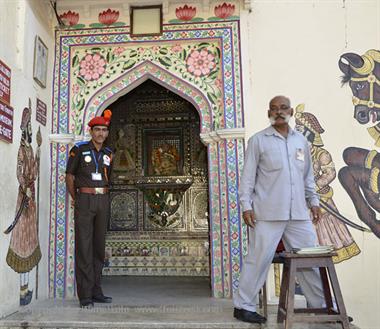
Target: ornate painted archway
143, 71
174, 60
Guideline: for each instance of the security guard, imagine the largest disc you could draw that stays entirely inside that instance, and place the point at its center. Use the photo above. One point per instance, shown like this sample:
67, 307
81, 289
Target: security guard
87, 180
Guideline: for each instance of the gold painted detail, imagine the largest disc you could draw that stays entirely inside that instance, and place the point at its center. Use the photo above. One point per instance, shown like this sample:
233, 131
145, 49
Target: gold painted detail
373, 180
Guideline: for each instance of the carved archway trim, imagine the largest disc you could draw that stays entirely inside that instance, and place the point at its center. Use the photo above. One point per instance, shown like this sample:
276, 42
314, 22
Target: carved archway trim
148, 70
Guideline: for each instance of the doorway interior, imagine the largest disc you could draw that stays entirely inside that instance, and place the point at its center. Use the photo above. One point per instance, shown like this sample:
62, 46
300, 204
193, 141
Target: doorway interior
159, 222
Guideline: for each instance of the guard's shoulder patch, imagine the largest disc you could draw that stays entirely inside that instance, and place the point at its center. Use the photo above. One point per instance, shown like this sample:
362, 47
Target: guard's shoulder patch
78, 144
108, 149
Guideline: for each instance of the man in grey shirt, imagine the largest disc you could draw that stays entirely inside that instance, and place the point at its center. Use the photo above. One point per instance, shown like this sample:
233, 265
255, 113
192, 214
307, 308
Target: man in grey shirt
276, 192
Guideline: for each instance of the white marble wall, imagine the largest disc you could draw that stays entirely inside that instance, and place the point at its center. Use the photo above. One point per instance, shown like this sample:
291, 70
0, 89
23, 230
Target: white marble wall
293, 48
19, 24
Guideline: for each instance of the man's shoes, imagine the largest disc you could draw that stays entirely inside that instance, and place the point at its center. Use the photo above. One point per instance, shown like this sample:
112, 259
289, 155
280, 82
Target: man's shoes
86, 303
248, 316
102, 299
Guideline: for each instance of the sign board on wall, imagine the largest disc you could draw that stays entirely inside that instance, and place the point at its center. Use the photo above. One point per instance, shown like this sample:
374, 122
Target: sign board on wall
41, 112
5, 83
6, 122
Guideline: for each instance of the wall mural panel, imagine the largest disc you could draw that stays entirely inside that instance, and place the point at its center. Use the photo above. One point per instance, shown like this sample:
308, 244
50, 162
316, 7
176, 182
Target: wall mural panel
360, 177
24, 251
332, 228
198, 61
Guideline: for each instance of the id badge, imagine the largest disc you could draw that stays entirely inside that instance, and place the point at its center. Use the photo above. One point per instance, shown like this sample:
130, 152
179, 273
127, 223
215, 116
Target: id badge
300, 155
96, 176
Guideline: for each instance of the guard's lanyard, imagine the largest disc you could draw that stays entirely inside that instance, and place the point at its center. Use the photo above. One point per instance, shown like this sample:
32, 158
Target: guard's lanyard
96, 161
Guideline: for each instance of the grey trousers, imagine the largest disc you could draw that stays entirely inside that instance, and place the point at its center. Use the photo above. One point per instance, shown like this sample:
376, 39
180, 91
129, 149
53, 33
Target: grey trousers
263, 241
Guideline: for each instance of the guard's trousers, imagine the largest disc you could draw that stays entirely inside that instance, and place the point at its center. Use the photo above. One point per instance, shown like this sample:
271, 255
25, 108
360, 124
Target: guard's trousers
263, 241
91, 217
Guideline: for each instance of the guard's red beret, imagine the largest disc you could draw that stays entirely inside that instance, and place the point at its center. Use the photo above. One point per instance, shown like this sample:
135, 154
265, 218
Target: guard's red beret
102, 120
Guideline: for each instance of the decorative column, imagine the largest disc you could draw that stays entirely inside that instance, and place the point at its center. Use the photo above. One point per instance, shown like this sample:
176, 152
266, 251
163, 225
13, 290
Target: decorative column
228, 236
61, 246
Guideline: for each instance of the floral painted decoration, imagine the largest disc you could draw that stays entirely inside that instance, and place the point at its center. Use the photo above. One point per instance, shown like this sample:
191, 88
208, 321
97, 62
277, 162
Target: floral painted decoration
92, 67
108, 16
224, 11
185, 13
200, 63
70, 18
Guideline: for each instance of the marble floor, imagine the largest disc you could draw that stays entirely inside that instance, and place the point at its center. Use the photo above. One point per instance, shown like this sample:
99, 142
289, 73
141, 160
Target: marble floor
145, 302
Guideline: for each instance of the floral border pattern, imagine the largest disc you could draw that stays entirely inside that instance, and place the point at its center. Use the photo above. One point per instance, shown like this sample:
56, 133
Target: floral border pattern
194, 60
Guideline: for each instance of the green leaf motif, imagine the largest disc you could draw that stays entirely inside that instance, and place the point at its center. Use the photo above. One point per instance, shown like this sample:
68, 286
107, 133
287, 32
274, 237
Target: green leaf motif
197, 19
80, 105
213, 74
78, 26
163, 51
219, 53
184, 54
133, 53
175, 21
215, 19
96, 49
165, 60
203, 44
81, 81
96, 25
119, 24
212, 97
110, 57
128, 64
75, 61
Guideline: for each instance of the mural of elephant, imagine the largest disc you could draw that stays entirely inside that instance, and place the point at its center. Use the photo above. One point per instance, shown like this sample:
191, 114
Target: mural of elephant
360, 177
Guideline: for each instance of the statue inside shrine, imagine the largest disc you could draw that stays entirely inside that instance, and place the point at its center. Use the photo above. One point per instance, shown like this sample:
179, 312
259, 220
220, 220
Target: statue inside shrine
123, 160
165, 160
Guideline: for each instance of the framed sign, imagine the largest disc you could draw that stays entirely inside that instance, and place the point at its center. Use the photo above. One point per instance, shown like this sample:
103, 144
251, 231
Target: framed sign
6, 122
40, 62
5, 83
41, 111
146, 20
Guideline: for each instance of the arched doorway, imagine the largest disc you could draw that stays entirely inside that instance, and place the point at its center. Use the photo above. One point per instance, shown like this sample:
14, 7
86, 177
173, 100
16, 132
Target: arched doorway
159, 198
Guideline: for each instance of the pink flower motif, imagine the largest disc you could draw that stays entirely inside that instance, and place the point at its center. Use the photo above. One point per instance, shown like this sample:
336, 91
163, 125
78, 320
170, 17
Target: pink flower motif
224, 11
92, 67
218, 83
70, 18
119, 50
108, 16
75, 89
176, 48
200, 63
185, 13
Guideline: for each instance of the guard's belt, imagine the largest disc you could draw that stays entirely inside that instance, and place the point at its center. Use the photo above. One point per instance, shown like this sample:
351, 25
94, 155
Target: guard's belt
93, 190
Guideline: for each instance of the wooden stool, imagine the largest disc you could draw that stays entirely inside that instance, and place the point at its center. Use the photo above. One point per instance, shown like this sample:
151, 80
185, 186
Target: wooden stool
286, 311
